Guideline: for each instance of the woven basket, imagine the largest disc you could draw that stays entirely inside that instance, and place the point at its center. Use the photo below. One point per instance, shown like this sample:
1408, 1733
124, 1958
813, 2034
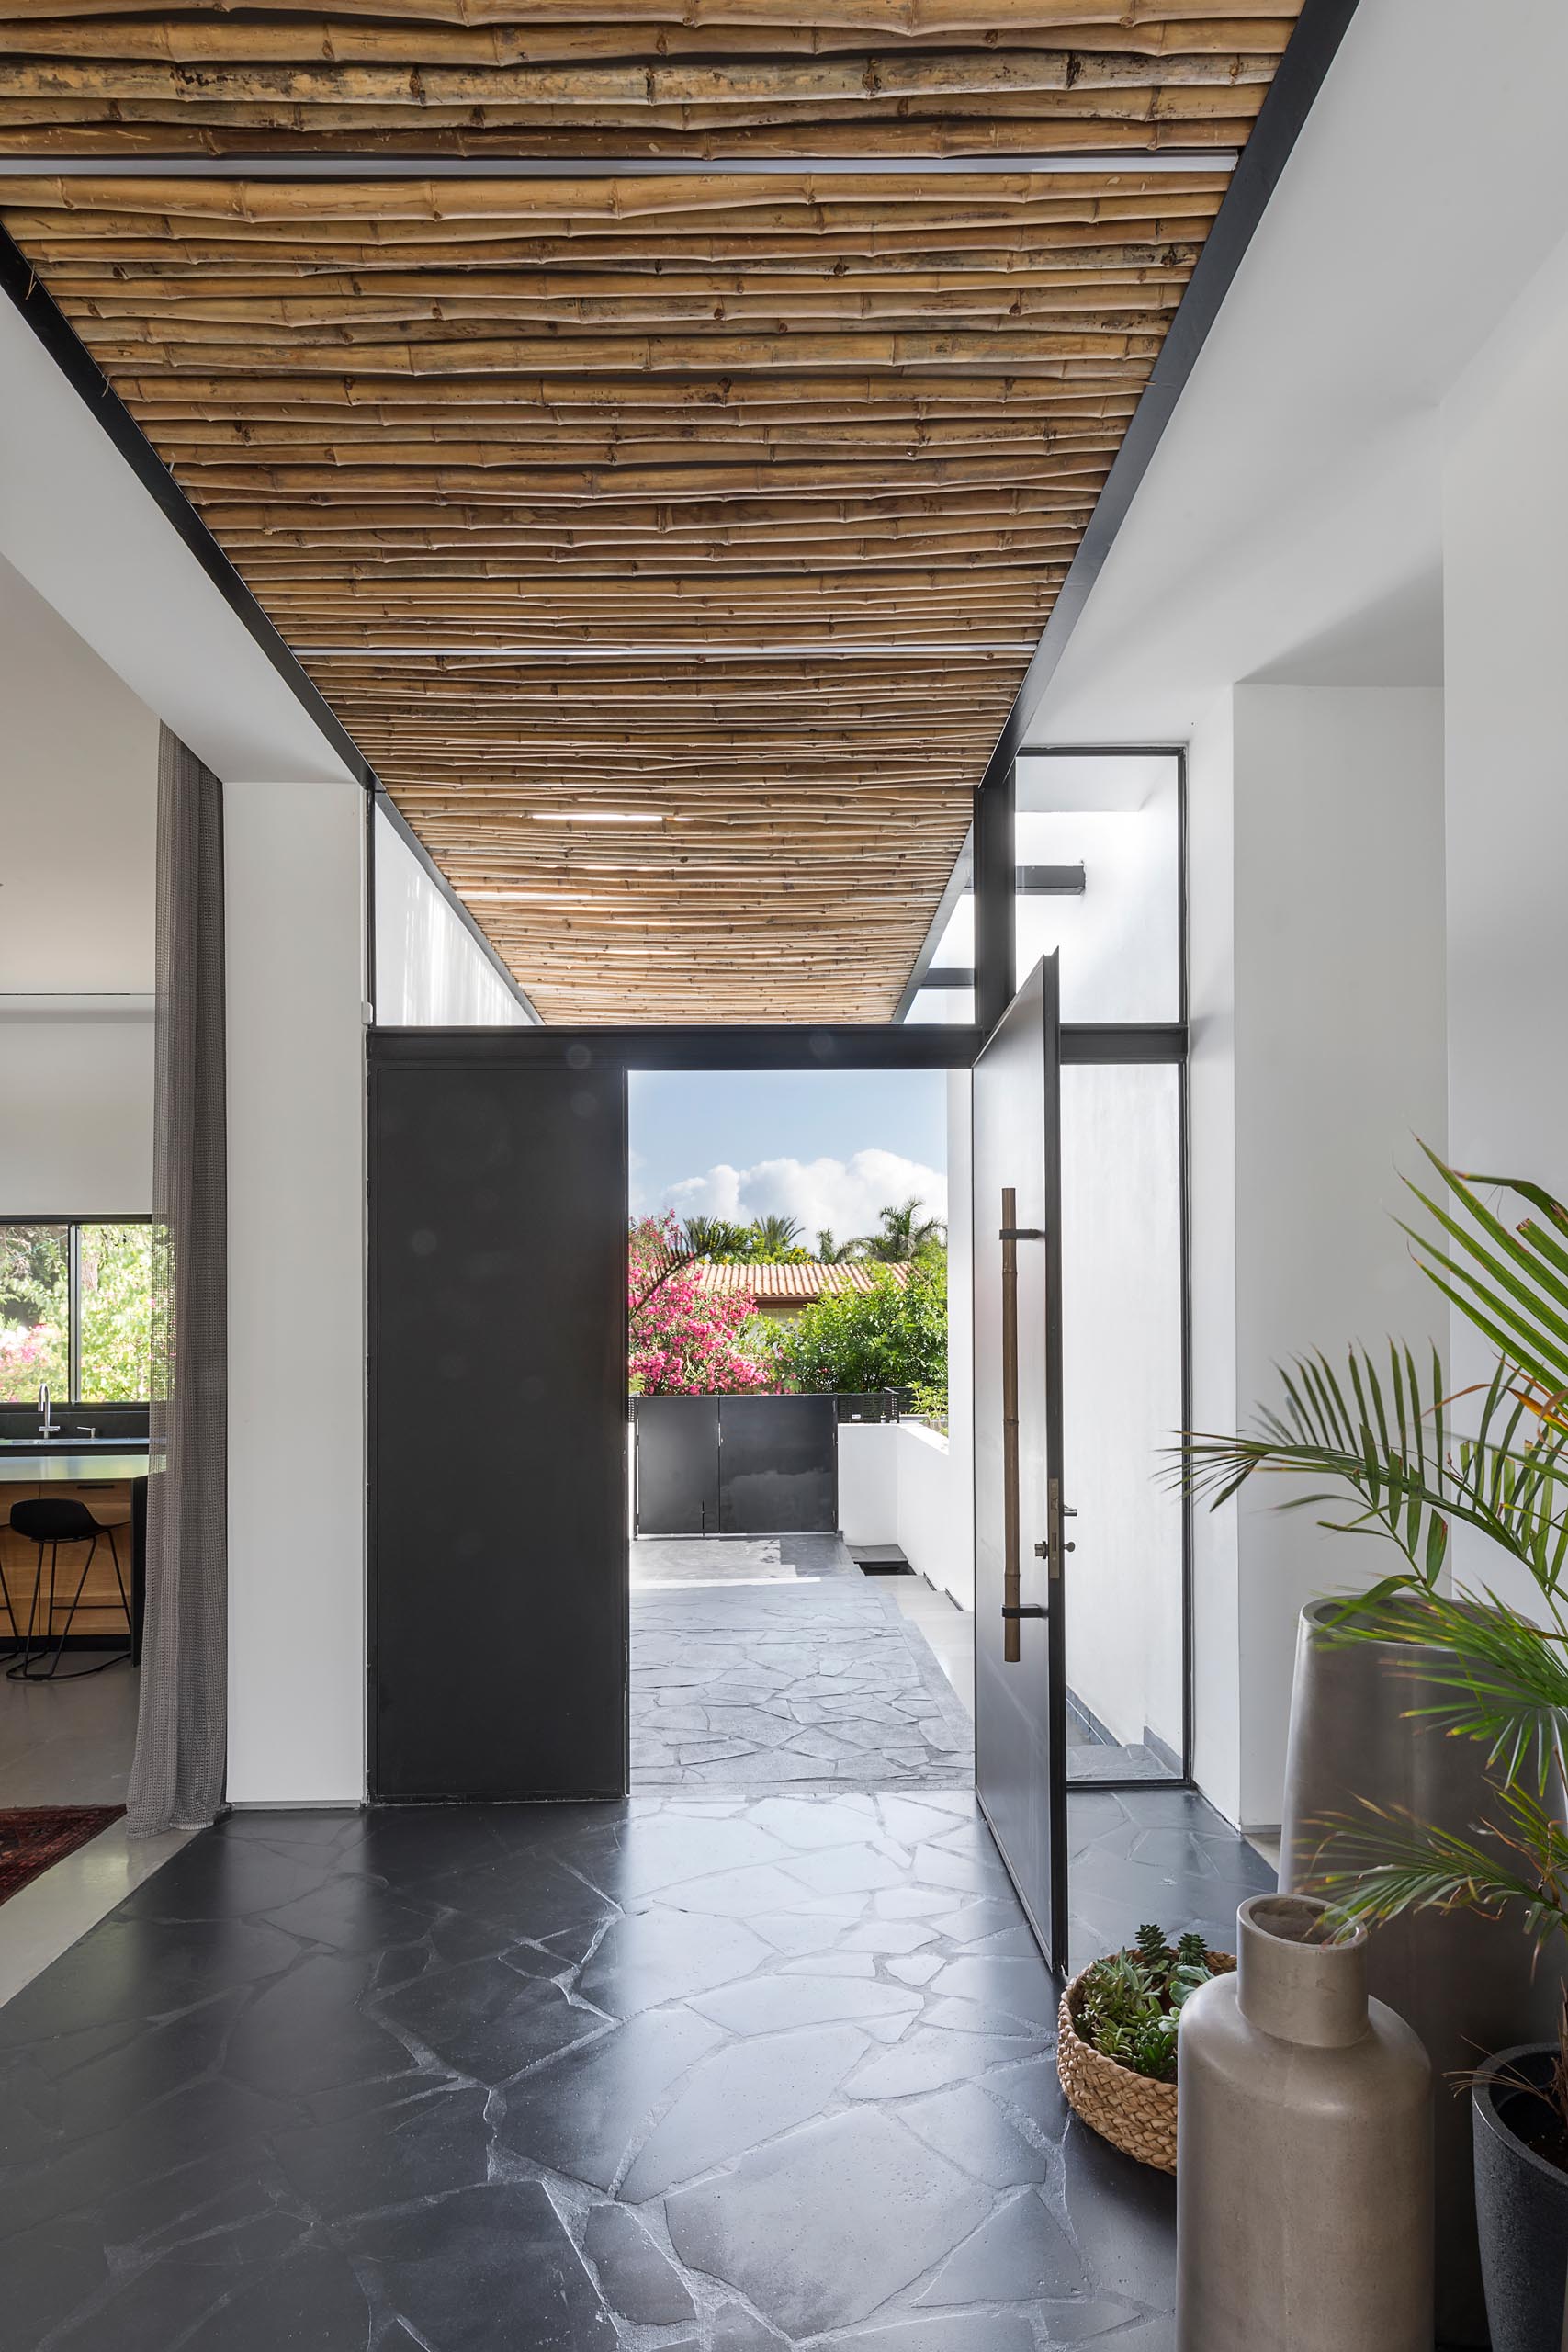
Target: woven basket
1134, 2113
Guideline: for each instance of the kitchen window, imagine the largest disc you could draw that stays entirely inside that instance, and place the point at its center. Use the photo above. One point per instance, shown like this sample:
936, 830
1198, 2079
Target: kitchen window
76, 1309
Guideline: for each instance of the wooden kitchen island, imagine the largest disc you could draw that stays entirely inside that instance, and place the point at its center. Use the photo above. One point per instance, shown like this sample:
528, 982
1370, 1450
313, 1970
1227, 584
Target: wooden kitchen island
102, 1477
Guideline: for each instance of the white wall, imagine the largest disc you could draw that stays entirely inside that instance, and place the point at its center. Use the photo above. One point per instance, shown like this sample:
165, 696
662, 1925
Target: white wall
75, 1112
1318, 990
1506, 523
868, 1482
1212, 1195
294, 859
78, 821
898, 1483
429, 970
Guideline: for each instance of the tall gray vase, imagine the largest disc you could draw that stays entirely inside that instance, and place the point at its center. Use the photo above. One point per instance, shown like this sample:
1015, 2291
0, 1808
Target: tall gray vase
1304, 2158
1466, 1984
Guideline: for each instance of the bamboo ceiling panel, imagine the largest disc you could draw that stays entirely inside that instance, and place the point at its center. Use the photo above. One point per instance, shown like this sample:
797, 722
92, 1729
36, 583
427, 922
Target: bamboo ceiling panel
578, 495
645, 77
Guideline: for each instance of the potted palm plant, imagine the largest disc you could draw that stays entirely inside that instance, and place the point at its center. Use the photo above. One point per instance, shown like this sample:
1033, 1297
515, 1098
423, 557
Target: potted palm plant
1436, 1708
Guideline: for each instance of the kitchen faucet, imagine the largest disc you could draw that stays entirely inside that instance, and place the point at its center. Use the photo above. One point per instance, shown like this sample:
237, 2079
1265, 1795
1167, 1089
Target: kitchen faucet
46, 1428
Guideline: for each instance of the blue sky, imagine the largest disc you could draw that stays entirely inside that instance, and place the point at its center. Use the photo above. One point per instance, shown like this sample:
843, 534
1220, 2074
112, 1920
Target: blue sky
828, 1147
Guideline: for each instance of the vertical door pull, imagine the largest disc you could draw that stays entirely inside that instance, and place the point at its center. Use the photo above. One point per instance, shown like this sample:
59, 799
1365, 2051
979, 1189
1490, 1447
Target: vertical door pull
1014, 1609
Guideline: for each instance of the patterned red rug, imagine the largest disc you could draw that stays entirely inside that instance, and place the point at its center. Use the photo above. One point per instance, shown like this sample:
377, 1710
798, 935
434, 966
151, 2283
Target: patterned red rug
34, 1836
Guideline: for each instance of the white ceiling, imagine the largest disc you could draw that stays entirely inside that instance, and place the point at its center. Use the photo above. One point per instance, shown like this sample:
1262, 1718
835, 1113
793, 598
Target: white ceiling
1288, 528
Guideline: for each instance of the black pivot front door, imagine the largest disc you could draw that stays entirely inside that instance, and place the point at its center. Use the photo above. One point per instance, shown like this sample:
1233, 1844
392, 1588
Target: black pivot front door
1019, 1654
498, 1517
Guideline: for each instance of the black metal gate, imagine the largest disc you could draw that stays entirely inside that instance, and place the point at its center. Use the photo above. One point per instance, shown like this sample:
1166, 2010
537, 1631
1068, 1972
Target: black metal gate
737, 1466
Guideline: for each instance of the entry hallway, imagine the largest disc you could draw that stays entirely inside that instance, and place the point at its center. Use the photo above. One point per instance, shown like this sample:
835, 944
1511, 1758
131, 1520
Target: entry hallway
681, 2075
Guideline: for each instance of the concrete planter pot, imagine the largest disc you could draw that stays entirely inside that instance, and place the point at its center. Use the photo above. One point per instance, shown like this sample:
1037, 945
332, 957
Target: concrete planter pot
1465, 1983
1303, 2173
1521, 2202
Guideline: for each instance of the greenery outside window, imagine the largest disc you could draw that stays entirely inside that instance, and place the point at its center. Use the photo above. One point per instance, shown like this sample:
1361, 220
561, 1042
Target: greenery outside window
77, 1310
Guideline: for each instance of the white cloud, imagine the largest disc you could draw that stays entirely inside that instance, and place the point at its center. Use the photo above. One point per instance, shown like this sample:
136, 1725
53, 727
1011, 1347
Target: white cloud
843, 1194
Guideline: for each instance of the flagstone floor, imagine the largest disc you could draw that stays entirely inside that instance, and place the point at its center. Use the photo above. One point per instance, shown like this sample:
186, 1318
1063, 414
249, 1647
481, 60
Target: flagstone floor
761, 1662
677, 2074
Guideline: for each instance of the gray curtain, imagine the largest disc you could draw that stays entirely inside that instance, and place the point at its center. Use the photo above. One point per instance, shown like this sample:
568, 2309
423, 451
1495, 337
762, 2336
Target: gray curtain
177, 1780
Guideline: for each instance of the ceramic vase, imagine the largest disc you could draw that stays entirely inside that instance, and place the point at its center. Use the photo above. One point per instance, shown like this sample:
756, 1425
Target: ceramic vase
1465, 1983
1304, 2162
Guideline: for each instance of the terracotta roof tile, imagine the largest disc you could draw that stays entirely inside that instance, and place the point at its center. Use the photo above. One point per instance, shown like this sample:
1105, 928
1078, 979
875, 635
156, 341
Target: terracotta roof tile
797, 1284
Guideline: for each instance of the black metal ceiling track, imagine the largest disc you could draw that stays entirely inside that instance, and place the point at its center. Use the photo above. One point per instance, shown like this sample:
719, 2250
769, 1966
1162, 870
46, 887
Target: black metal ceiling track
81, 371
792, 1047
1308, 54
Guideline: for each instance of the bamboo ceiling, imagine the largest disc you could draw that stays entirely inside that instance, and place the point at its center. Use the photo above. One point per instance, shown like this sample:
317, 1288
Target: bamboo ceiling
470, 440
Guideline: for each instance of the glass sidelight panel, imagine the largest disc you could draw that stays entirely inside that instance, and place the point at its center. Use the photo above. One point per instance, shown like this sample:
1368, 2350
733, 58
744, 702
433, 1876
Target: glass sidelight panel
1097, 839
1122, 1280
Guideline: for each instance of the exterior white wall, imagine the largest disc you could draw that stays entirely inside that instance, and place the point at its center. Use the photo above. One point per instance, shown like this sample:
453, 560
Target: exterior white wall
898, 1484
936, 1511
868, 1482
1318, 985
295, 882
429, 970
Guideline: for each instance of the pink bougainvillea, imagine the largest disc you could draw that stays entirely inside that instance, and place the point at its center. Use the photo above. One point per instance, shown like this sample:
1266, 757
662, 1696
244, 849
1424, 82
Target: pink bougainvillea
684, 1340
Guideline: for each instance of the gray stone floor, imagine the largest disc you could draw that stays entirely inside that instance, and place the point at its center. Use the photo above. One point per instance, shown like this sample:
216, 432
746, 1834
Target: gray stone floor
681, 2074
759, 1664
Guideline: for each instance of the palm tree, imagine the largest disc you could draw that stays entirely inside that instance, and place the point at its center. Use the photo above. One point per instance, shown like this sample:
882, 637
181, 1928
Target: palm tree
1383, 1446
905, 1234
776, 1240
830, 1253
717, 1239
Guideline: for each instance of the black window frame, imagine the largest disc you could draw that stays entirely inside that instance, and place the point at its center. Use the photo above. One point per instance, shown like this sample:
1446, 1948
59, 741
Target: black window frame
72, 1228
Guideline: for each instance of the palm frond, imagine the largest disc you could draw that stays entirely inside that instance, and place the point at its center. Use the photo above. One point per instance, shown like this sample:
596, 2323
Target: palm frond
1381, 1442
1386, 1864
1505, 1676
1511, 1284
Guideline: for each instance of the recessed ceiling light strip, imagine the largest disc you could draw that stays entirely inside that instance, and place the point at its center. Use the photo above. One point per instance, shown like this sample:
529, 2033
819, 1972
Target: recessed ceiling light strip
449, 166
674, 652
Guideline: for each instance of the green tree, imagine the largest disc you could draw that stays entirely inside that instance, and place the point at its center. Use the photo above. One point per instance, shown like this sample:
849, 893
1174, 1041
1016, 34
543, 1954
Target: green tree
905, 1234
117, 1313
892, 1336
35, 1285
830, 1253
766, 1242
717, 1241
777, 1242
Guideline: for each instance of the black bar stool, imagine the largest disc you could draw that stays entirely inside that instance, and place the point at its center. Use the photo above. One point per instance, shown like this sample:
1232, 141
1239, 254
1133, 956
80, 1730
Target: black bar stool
51, 1523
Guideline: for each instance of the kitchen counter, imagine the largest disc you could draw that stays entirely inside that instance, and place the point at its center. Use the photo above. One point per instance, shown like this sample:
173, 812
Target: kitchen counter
38, 1467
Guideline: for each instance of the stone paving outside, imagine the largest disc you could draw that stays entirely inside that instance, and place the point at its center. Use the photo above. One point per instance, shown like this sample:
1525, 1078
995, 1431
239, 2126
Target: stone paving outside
762, 1663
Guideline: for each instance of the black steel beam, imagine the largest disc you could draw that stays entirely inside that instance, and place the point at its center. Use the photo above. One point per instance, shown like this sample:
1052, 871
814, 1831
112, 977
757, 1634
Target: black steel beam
996, 902
868, 1046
